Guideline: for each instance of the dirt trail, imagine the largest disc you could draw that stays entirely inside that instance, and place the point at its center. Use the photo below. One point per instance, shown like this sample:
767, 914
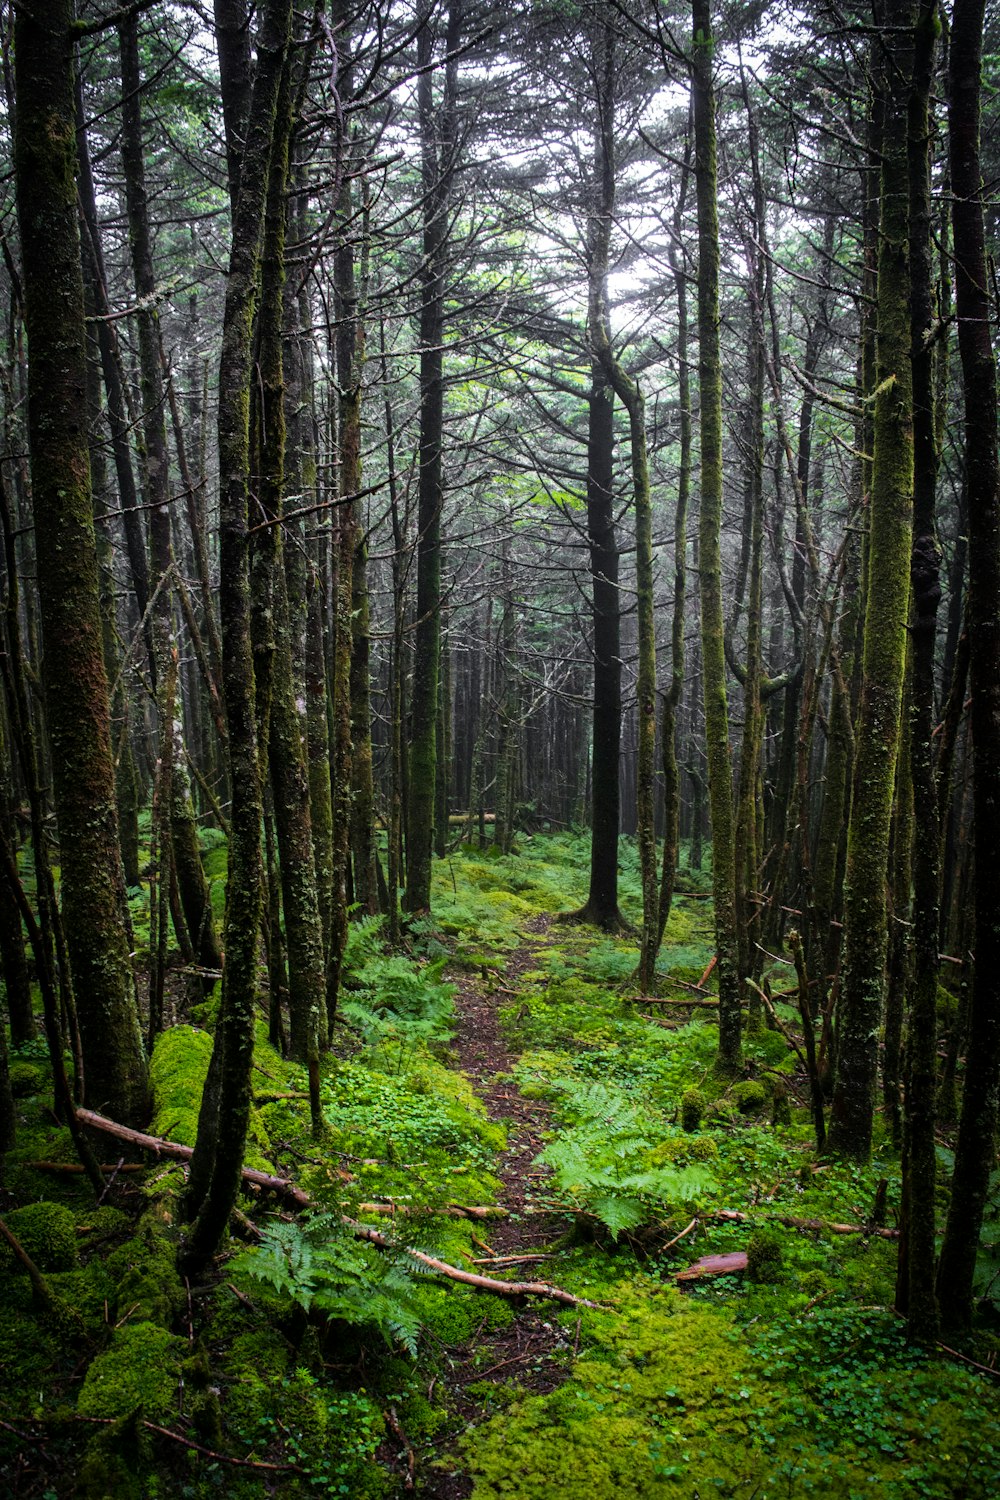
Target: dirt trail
534, 1350
484, 1056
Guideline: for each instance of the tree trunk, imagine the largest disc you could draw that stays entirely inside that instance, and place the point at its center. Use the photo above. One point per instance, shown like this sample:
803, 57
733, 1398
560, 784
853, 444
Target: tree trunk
974, 1152
438, 147
225, 1112
76, 687
720, 782
884, 650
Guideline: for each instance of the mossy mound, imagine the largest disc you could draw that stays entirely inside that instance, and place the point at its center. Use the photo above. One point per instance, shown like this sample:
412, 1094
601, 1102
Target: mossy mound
145, 1272
692, 1109
140, 1371
750, 1097
177, 1072
25, 1079
46, 1232
764, 1258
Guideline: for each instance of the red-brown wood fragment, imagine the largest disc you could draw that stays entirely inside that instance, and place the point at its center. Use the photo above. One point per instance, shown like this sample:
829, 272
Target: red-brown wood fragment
714, 1265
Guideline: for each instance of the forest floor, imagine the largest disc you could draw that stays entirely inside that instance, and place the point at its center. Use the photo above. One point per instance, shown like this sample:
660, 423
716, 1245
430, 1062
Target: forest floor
497, 1092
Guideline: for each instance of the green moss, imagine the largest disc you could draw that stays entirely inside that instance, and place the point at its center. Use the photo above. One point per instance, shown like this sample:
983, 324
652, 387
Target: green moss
140, 1370
692, 1109
114, 1461
781, 1109
763, 1258
145, 1274
177, 1073
750, 1097
25, 1079
454, 1314
46, 1232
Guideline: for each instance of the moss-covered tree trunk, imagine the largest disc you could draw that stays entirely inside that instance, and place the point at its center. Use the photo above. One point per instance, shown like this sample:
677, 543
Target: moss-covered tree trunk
225, 1112
438, 155
672, 696
76, 686
720, 781
975, 1151
601, 906
915, 1284
286, 758
884, 650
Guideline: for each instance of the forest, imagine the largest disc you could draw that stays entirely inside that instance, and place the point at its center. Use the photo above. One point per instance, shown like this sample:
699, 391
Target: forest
499, 749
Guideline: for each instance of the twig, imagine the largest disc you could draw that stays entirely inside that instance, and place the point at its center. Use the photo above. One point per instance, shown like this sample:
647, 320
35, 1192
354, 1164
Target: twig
508, 1260
180, 1437
683, 1234
984, 1369
398, 1432
781, 1027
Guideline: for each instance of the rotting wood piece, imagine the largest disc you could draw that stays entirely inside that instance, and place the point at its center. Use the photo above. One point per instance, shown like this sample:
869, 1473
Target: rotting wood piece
714, 1265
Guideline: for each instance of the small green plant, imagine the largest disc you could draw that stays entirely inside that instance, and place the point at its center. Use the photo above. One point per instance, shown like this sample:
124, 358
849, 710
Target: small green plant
322, 1268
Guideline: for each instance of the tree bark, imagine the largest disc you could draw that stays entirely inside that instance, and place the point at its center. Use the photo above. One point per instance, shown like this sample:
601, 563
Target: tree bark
76, 686
225, 1112
884, 650
974, 1152
720, 782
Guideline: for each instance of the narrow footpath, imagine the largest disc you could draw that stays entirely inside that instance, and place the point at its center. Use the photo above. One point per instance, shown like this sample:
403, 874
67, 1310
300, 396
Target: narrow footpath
533, 1350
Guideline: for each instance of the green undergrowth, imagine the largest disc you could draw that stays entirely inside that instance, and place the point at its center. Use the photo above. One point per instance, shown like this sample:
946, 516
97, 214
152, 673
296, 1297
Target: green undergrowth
761, 1399
312, 1350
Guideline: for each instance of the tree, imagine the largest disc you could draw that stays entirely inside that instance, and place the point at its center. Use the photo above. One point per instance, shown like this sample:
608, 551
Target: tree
225, 1109
974, 1153
720, 780
76, 686
888, 588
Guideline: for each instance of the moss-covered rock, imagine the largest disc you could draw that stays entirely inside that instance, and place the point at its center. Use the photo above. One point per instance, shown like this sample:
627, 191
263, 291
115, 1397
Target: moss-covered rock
692, 1109
763, 1258
25, 1079
139, 1371
750, 1097
46, 1232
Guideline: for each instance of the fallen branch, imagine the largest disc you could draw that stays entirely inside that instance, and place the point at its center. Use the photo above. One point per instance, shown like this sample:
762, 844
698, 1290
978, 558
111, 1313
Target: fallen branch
300, 1199
683, 1234
508, 1260
734, 1216
451, 1210
180, 1437
708, 969
74, 1168
161, 1147
468, 1278
711, 1003
783, 1029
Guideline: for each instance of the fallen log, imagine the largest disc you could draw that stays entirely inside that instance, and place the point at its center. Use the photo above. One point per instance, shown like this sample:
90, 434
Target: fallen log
714, 1265
74, 1168
300, 1199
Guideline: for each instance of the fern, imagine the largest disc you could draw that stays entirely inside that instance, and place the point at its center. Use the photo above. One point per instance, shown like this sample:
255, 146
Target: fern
319, 1265
603, 1164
